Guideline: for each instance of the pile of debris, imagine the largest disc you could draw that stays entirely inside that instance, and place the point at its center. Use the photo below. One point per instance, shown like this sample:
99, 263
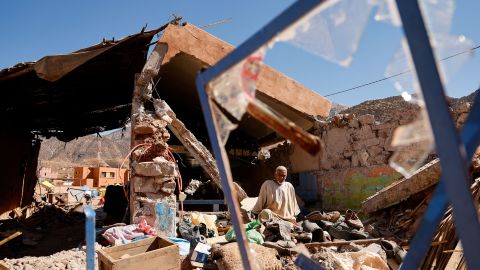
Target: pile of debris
67, 259
46, 229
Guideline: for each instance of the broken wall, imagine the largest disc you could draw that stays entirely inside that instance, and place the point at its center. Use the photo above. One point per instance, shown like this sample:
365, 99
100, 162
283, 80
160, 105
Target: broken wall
354, 162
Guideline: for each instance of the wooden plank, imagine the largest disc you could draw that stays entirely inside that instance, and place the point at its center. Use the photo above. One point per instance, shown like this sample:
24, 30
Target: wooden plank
10, 237
343, 243
423, 178
136, 255
188, 139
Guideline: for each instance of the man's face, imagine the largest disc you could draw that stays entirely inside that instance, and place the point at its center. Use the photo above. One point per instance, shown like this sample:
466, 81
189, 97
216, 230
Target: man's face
280, 176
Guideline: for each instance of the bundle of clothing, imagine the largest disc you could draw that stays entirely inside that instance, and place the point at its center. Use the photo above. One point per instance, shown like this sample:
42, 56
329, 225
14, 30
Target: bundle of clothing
125, 234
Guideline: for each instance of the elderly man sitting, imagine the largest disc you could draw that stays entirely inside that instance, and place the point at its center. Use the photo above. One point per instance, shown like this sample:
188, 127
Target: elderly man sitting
277, 196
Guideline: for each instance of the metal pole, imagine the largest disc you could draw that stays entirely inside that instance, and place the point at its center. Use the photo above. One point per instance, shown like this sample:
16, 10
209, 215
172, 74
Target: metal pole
449, 147
90, 236
225, 174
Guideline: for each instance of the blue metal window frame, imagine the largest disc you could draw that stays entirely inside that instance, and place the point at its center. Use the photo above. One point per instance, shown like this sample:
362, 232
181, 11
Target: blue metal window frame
454, 184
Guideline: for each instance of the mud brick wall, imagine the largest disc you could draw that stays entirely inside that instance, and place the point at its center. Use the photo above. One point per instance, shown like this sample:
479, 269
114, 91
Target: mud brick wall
354, 162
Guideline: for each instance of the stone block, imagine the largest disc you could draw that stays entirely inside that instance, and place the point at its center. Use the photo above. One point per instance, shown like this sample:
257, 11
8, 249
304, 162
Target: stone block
363, 157
365, 132
143, 129
150, 184
159, 123
374, 150
336, 141
366, 119
168, 187
150, 168
371, 142
354, 123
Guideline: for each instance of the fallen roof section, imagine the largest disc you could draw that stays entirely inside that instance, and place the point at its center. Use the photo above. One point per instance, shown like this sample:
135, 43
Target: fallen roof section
423, 178
190, 49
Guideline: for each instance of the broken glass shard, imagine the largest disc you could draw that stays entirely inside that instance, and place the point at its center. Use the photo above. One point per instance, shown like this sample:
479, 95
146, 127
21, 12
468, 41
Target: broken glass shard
331, 31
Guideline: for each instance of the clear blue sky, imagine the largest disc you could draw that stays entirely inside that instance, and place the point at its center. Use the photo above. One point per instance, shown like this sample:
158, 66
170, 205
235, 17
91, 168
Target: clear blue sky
33, 29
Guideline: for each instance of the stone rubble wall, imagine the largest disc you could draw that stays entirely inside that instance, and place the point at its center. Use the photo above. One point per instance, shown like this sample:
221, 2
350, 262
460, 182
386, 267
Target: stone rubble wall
353, 163
153, 175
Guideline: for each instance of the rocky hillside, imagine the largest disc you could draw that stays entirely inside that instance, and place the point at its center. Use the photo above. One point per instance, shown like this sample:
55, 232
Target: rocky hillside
106, 150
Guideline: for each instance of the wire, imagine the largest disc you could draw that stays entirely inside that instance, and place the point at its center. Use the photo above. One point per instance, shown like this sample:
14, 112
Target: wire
179, 181
395, 75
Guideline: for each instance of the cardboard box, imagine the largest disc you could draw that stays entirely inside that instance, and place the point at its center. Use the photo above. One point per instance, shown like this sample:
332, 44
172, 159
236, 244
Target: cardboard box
200, 253
147, 254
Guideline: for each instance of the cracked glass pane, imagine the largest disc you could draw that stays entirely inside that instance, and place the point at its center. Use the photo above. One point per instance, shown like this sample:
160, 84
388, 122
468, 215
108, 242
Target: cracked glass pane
331, 31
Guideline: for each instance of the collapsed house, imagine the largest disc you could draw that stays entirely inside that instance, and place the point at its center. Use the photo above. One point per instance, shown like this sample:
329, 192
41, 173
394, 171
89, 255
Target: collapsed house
56, 101
52, 97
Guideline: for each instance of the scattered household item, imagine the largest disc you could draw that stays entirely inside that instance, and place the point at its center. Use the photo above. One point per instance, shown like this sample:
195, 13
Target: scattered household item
208, 220
200, 253
125, 234
183, 245
252, 234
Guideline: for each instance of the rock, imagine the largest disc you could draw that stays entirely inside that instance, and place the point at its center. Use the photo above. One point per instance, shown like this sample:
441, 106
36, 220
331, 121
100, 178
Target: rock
363, 157
28, 267
149, 183
336, 141
371, 142
366, 119
374, 150
159, 123
166, 136
155, 168
349, 248
365, 132
168, 187
376, 248
354, 123
143, 129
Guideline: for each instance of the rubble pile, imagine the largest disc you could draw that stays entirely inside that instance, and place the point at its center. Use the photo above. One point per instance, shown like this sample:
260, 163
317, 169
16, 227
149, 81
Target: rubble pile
66, 259
48, 230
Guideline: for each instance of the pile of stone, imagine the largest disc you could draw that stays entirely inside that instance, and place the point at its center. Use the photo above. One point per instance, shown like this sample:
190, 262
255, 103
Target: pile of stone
154, 173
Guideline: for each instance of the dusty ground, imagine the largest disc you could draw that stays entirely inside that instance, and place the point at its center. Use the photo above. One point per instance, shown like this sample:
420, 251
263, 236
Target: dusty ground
47, 231
67, 259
